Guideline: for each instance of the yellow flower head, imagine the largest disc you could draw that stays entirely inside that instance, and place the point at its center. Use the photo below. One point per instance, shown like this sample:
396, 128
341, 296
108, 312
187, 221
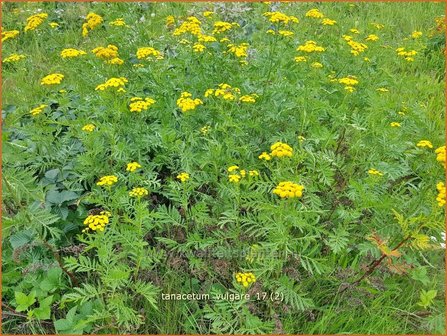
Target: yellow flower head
191, 25
239, 50
234, 178
245, 278
440, 155
138, 192
170, 20
441, 193
299, 59
416, 34
310, 47
97, 222
139, 104
280, 149
205, 129
374, 171
288, 190
424, 143
348, 81
132, 166
328, 22
107, 180
395, 124
111, 51
183, 177
315, 13
35, 21
187, 103
70, 53
13, 58
278, 17
198, 47
116, 83
89, 128
38, 110
372, 38
232, 168
118, 23
52, 79
92, 21
248, 98
9, 34
149, 53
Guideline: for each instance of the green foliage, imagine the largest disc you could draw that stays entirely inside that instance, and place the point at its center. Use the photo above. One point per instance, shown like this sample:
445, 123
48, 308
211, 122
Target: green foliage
369, 201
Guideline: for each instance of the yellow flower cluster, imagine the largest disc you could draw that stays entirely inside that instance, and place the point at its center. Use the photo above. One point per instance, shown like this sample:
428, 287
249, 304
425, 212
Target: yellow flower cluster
299, 59
111, 51
89, 128
9, 34
97, 222
222, 26
310, 47
138, 192
288, 190
239, 50
208, 14
38, 110
440, 155
395, 124
278, 17
118, 23
225, 91
93, 20
115, 61
70, 52
374, 171
190, 25
349, 82
13, 58
53, 24
114, 82
52, 79
149, 52
265, 156
107, 180
183, 177
139, 104
245, 278
356, 47
416, 34
236, 174
315, 13
251, 98
441, 193
280, 149
198, 47
328, 22
132, 166
424, 143
205, 130
372, 38
186, 103
406, 54
170, 20
316, 65
35, 21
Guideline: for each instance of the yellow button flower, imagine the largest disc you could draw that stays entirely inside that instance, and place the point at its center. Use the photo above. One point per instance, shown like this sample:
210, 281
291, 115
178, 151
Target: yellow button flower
132, 166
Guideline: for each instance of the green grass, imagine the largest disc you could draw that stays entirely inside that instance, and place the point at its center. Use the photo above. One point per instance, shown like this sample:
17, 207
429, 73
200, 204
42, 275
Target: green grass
193, 237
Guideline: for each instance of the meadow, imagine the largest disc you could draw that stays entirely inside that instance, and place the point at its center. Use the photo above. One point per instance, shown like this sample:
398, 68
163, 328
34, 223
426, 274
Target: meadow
223, 168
